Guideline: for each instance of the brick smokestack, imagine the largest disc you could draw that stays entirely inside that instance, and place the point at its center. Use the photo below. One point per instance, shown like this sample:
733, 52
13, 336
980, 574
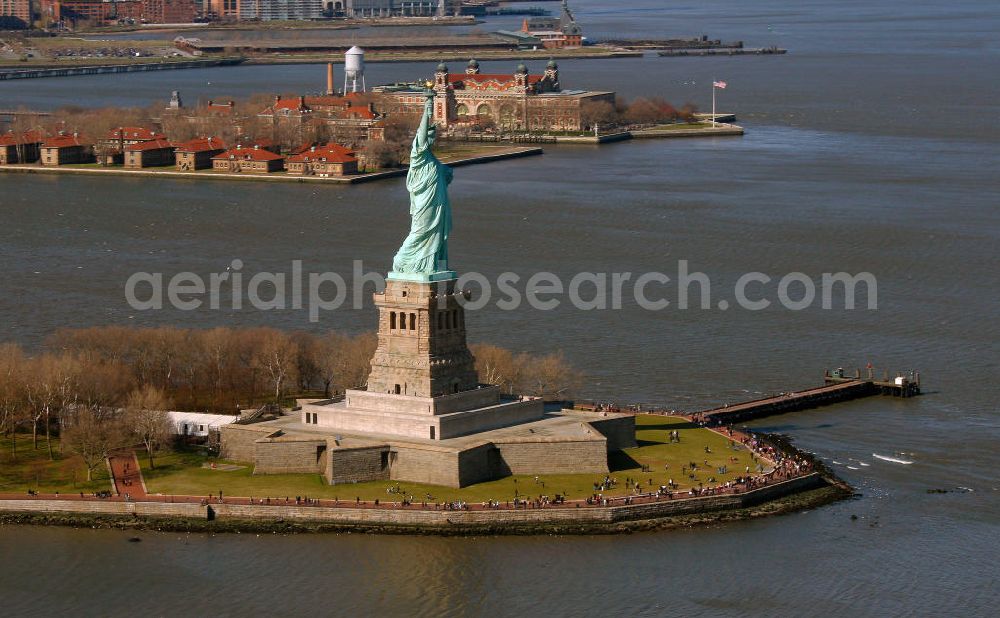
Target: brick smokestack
329, 78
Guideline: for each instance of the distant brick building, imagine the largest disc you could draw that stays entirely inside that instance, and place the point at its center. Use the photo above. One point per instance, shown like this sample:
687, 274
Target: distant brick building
111, 148
154, 153
98, 12
326, 160
66, 149
515, 102
23, 148
169, 11
252, 159
197, 154
15, 14
350, 119
555, 32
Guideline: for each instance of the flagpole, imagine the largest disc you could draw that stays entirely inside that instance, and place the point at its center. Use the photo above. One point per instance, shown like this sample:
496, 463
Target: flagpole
713, 102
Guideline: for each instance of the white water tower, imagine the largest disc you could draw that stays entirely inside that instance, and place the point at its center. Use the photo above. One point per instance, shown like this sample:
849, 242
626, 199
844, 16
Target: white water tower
354, 70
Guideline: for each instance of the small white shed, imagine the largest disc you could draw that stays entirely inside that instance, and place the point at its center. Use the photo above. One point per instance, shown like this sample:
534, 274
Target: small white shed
197, 423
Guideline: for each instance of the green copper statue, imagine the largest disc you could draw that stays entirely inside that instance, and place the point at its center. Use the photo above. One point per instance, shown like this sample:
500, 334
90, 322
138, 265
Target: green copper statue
424, 253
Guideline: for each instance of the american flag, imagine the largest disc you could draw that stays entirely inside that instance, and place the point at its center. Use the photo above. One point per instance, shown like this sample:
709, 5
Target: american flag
719, 84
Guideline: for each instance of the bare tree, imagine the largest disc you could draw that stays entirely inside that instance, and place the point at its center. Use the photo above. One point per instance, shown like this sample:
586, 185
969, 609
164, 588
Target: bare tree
92, 434
39, 394
496, 365
146, 418
343, 362
598, 113
276, 356
11, 392
548, 376
380, 155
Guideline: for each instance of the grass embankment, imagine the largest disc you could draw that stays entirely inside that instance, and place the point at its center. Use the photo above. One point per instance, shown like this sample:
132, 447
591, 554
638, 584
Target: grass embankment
32, 469
183, 474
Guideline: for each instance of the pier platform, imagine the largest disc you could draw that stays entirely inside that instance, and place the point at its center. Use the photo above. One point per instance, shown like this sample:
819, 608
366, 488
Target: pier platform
837, 387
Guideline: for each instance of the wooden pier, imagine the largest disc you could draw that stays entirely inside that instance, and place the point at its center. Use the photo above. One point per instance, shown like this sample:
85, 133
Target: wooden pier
837, 387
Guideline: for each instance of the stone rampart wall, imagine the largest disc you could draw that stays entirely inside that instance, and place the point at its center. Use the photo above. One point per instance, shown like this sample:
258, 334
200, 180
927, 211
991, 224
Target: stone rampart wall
357, 464
484, 419
430, 466
237, 441
618, 429
564, 457
289, 457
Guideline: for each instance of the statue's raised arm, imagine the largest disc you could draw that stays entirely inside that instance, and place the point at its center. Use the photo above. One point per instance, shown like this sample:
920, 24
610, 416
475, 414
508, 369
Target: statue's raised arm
426, 128
424, 252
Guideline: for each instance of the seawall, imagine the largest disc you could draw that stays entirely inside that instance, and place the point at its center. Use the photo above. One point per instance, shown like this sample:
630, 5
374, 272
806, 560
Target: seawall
566, 519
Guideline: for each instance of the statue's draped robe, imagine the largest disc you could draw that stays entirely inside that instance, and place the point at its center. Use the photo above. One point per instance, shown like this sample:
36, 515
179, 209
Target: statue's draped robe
425, 249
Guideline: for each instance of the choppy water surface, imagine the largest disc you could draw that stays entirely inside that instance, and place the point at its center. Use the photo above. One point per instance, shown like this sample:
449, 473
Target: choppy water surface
872, 146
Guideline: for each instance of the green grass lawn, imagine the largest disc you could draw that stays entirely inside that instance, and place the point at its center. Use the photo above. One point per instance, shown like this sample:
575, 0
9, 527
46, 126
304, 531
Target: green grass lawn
182, 472
32, 469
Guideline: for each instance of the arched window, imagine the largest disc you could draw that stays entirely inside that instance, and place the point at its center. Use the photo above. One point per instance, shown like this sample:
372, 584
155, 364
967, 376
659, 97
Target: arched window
462, 109
484, 110
413, 321
392, 320
440, 321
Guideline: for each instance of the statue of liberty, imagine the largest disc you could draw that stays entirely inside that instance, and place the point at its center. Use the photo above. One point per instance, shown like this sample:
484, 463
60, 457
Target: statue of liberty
425, 249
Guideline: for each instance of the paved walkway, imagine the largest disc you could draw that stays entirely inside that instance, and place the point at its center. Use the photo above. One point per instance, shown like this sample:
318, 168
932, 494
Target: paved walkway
126, 475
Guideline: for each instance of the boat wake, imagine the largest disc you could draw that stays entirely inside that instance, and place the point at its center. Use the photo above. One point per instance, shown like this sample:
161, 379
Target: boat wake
905, 462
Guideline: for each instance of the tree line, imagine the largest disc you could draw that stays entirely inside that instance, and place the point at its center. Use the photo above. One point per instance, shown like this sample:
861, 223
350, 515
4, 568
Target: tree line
110, 386
638, 111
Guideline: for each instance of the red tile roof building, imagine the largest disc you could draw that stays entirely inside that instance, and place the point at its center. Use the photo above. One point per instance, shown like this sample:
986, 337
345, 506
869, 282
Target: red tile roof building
23, 148
153, 153
197, 154
555, 32
325, 160
111, 148
253, 159
64, 149
349, 118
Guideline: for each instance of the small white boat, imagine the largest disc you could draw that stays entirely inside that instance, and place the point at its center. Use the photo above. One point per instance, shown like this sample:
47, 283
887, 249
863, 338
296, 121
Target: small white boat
863, 464
836, 462
852, 468
905, 462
